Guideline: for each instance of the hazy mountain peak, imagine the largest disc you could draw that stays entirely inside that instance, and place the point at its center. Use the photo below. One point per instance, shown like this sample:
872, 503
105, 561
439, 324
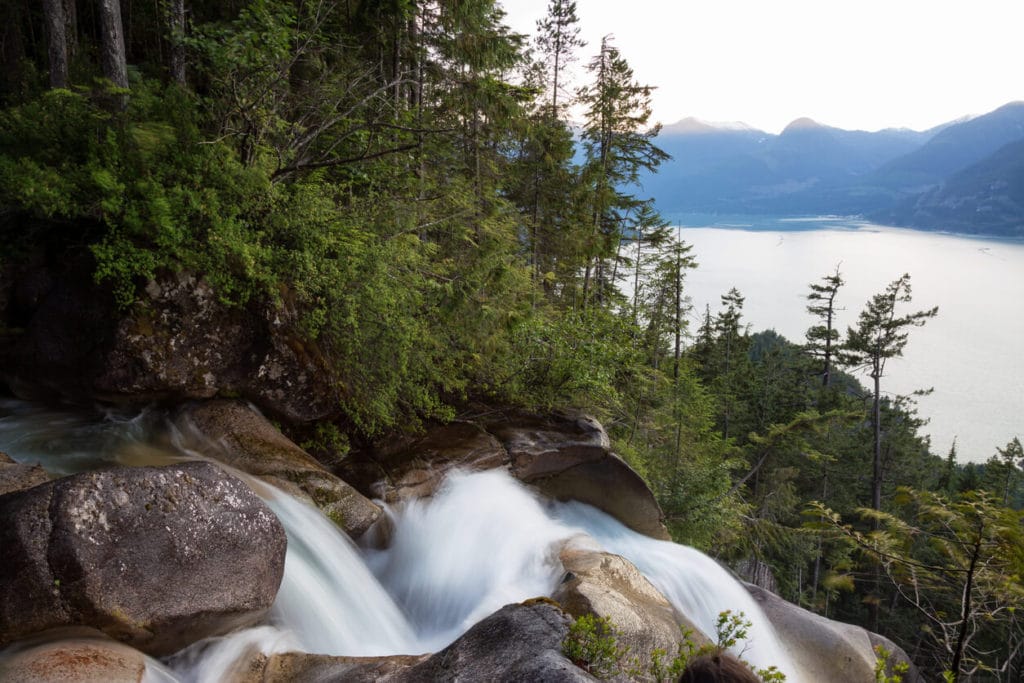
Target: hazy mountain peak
802, 123
692, 125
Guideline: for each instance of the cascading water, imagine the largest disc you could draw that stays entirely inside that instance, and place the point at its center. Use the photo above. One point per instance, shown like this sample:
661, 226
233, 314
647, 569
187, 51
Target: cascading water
482, 541
694, 583
328, 598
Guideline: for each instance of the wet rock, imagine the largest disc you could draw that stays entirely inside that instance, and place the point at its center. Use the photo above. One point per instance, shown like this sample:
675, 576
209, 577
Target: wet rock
313, 668
15, 476
81, 656
238, 435
156, 557
567, 456
519, 642
826, 650
413, 467
607, 585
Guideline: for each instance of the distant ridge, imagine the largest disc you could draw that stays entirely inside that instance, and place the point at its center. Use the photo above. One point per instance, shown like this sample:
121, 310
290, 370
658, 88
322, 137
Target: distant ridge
921, 179
693, 125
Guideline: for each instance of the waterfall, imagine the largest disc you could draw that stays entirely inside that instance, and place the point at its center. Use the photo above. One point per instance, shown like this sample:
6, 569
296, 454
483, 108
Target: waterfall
328, 598
482, 541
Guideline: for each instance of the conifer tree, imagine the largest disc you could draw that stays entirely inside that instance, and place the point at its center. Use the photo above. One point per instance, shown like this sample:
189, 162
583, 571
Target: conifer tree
619, 140
881, 334
558, 37
823, 338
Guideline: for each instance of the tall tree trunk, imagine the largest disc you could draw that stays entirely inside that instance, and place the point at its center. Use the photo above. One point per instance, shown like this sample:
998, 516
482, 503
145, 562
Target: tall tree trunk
176, 21
965, 611
876, 471
827, 379
57, 41
876, 491
71, 27
112, 43
12, 45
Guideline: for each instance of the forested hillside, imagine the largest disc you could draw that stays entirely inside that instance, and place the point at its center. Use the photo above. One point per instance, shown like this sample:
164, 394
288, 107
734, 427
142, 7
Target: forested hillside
404, 176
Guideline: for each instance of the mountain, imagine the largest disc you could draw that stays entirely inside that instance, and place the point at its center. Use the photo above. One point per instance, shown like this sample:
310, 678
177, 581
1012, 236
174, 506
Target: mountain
711, 164
954, 148
738, 168
924, 179
984, 198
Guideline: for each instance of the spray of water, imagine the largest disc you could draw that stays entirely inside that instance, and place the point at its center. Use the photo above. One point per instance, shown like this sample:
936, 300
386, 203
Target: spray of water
483, 541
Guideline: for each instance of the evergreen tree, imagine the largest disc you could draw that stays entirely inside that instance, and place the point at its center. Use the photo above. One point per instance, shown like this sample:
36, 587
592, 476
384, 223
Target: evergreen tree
823, 337
619, 141
558, 37
881, 334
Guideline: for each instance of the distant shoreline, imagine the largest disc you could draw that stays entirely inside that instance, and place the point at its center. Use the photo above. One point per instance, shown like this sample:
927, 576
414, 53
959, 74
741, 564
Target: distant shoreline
799, 223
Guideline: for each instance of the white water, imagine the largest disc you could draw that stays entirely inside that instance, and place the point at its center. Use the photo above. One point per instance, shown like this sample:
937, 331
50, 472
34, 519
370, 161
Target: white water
694, 583
328, 599
481, 542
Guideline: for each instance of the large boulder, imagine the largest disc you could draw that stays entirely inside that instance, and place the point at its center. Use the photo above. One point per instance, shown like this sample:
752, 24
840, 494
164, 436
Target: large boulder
567, 456
607, 585
65, 336
237, 434
156, 557
826, 650
314, 668
182, 341
519, 642
72, 656
15, 476
413, 467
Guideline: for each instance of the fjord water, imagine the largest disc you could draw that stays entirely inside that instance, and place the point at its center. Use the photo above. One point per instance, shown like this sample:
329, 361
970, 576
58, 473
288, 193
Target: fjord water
482, 541
971, 354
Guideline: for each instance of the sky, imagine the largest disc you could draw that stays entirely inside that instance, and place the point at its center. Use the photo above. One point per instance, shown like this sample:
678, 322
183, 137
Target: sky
864, 64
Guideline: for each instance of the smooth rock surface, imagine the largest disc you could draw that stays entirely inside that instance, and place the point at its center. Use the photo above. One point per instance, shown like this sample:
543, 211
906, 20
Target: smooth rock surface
567, 456
156, 557
406, 468
608, 585
15, 476
314, 668
79, 656
237, 434
519, 642
823, 649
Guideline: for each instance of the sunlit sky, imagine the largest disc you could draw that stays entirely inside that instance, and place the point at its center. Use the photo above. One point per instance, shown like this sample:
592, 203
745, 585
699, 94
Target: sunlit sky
864, 64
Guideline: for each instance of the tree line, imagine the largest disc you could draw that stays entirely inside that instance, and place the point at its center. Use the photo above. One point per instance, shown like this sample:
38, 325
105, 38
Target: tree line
406, 175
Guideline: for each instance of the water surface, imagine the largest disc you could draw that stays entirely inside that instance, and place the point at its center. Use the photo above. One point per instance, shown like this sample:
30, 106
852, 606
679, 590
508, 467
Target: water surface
971, 354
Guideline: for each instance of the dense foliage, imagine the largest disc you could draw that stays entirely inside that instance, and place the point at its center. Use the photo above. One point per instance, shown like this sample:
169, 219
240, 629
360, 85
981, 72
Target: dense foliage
404, 174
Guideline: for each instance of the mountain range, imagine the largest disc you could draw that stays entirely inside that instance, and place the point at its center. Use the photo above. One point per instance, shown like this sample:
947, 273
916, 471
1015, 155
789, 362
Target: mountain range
963, 176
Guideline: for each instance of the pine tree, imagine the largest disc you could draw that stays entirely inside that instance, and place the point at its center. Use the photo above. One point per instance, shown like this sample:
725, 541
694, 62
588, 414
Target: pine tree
619, 141
558, 37
881, 334
823, 338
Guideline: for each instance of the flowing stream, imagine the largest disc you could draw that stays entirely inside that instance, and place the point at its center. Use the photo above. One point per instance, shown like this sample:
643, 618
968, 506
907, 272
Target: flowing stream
482, 541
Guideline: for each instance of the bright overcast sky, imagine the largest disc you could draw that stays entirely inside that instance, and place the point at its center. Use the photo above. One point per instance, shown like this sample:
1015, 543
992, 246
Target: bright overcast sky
855, 64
